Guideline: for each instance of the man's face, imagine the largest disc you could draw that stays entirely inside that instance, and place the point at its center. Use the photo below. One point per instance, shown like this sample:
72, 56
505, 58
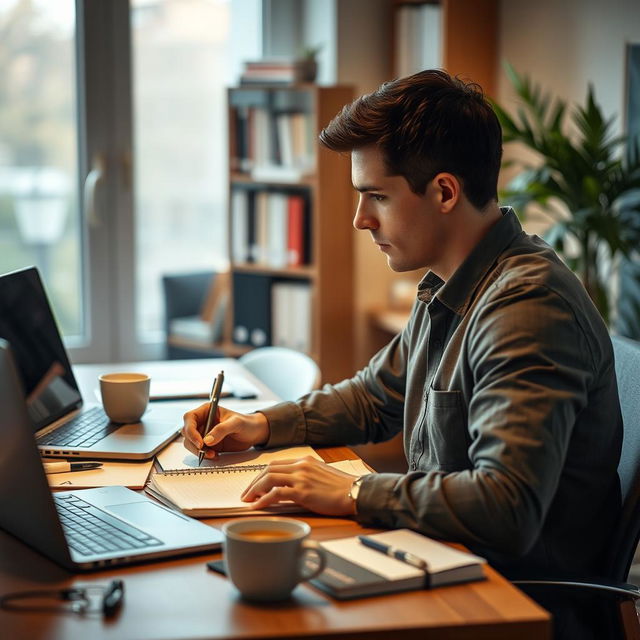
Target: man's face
407, 227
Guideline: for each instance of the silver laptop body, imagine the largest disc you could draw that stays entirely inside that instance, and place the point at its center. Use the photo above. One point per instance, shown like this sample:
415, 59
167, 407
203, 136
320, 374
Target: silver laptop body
52, 394
137, 527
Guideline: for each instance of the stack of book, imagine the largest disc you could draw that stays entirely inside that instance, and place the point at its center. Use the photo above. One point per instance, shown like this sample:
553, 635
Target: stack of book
269, 72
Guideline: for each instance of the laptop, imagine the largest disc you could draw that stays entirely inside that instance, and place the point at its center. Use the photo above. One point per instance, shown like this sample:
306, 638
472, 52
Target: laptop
85, 529
64, 425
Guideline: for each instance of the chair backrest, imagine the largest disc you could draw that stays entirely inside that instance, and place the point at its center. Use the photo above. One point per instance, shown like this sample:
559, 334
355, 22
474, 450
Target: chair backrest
288, 373
623, 546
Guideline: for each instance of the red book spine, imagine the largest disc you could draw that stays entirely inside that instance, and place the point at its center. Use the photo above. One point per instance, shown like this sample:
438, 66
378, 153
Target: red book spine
295, 223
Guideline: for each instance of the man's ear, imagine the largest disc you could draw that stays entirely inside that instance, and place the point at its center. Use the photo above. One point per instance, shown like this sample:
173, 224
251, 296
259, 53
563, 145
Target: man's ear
448, 190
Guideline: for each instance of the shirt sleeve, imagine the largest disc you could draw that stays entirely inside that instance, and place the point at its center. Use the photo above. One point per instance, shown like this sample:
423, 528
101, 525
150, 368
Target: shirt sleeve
366, 408
531, 366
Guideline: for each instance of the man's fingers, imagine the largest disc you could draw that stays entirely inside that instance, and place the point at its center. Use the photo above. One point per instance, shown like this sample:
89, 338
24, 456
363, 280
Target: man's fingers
277, 466
275, 495
265, 484
191, 423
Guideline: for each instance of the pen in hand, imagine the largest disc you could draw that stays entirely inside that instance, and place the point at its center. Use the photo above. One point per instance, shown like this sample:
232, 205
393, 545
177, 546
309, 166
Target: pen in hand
63, 466
216, 391
394, 552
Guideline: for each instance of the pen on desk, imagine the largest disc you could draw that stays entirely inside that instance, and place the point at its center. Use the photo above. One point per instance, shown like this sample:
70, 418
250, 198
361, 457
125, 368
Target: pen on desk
63, 467
216, 391
394, 552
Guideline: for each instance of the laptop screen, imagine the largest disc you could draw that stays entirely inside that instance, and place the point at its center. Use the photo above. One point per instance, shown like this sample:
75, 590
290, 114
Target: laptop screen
27, 323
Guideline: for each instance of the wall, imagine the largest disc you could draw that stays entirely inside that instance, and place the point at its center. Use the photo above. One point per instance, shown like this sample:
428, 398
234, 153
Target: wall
568, 44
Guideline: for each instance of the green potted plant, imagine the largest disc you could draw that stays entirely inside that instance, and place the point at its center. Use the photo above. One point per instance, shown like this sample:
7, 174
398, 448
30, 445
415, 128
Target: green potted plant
307, 64
585, 178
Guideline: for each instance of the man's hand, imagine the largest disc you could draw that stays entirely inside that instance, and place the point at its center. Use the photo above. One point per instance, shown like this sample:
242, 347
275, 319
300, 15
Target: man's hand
232, 432
308, 482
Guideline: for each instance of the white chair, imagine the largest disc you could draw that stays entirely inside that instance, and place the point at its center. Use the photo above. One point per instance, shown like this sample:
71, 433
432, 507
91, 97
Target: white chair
288, 373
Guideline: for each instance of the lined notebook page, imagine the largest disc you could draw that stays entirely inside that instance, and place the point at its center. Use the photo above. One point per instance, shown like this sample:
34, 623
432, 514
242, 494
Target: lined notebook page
213, 490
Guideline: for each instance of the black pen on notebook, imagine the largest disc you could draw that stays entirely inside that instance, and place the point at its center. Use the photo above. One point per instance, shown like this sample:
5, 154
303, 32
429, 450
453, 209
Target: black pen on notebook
216, 391
63, 467
394, 552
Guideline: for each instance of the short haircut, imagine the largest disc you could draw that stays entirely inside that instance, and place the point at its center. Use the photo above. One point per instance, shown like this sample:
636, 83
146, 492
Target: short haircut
426, 124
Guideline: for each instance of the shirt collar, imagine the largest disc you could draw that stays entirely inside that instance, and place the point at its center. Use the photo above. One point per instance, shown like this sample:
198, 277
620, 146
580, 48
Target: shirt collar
457, 292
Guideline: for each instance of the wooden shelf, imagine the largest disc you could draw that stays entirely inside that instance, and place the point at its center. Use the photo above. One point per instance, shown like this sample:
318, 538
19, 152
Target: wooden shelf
239, 177
304, 272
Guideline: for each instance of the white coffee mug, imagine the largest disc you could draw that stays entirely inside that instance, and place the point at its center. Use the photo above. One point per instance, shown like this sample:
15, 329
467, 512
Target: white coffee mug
265, 558
125, 395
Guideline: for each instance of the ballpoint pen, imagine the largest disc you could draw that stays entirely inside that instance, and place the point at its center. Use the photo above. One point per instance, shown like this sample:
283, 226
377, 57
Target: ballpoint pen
216, 391
63, 467
394, 552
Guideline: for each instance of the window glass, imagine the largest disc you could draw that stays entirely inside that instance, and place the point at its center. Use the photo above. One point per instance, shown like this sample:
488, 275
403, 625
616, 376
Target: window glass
181, 57
39, 213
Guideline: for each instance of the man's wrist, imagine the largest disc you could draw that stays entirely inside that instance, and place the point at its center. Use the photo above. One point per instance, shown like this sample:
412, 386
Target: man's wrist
265, 430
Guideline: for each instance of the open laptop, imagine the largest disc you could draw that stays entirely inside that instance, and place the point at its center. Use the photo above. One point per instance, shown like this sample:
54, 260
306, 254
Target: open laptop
63, 424
85, 529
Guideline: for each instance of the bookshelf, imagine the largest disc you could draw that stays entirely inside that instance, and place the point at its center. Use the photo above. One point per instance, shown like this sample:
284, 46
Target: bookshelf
467, 38
290, 242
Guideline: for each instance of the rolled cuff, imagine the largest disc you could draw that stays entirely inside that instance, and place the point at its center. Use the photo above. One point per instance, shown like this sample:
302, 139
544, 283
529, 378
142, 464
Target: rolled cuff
287, 425
376, 501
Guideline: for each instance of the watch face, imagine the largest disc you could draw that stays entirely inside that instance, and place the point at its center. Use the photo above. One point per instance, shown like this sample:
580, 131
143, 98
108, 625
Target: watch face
355, 488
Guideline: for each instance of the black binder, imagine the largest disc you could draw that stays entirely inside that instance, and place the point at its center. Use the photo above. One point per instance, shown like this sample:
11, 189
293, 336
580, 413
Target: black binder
252, 309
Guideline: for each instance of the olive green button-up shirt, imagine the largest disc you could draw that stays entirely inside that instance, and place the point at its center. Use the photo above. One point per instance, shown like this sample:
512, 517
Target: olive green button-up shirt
504, 387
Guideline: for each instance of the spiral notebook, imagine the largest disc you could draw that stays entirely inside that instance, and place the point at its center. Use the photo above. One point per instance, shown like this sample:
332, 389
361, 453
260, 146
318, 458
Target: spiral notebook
215, 489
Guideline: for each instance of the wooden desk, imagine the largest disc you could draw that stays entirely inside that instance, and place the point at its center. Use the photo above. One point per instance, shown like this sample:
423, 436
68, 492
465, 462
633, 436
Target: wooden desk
181, 599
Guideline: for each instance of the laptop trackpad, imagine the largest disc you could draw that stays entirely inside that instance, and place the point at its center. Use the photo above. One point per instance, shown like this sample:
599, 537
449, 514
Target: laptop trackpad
146, 515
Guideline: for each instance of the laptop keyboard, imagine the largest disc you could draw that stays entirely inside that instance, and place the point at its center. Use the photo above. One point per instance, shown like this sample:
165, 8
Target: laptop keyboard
90, 530
82, 431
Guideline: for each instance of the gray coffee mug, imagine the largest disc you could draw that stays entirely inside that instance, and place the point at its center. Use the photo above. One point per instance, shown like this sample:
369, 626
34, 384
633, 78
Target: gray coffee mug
265, 558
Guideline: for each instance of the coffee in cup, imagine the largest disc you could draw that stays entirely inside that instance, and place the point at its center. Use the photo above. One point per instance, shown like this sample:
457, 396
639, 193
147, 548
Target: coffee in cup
265, 558
125, 395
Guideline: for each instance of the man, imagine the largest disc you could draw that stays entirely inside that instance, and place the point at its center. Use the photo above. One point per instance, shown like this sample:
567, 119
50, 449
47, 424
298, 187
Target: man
503, 380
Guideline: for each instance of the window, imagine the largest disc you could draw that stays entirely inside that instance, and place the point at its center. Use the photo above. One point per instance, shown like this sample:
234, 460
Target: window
122, 101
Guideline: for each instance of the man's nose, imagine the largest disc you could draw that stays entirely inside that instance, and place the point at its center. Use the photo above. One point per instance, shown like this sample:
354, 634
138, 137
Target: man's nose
363, 218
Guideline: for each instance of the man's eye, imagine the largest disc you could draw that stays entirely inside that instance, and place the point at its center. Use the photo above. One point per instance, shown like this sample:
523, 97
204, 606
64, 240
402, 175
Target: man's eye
377, 197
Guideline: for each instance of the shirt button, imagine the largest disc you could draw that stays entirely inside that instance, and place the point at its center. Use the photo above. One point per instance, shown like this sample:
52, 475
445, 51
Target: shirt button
414, 466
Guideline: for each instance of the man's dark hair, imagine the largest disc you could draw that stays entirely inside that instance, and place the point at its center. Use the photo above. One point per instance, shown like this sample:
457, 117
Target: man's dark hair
425, 124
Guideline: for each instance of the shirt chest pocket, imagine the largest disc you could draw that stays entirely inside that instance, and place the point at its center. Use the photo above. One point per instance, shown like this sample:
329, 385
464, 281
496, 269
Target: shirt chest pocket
444, 430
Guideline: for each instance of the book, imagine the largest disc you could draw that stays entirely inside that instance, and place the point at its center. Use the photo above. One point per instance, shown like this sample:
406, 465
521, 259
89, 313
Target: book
354, 570
277, 230
295, 230
240, 225
214, 489
291, 315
